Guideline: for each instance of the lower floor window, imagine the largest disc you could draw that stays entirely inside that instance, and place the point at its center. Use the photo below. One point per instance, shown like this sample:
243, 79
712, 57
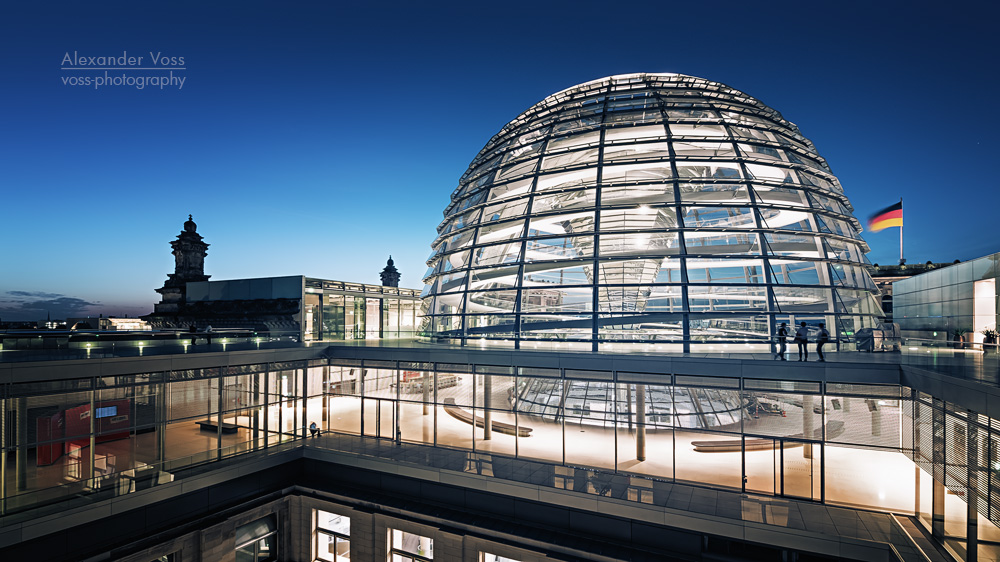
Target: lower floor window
334, 548
408, 547
257, 541
334, 534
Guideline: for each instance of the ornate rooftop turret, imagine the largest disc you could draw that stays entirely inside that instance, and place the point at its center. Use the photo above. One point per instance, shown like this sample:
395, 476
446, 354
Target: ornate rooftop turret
390, 275
189, 265
189, 255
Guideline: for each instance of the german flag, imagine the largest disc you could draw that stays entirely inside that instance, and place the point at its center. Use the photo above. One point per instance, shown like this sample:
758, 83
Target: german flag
887, 218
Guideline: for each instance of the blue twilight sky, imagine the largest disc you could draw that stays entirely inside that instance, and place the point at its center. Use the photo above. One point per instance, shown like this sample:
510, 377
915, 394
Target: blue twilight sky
317, 138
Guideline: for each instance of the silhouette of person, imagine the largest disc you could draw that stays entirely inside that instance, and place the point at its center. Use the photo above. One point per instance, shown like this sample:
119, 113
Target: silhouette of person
821, 339
802, 338
782, 336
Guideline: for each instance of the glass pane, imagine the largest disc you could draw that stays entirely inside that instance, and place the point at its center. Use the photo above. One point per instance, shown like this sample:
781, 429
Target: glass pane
245, 554
267, 548
340, 524
709, 458
412, 543
763, 468
800, 473
560, 248
255, 529
326, 547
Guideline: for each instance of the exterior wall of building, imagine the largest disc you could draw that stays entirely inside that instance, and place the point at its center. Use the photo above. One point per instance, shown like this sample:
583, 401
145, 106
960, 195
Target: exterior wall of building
958, 298
217, 541
885, 275
336, 310
797, 439
314, 309
247, 289
371, 529
301, 536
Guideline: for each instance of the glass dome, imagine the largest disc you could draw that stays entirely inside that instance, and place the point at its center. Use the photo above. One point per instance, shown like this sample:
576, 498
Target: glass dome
661, 210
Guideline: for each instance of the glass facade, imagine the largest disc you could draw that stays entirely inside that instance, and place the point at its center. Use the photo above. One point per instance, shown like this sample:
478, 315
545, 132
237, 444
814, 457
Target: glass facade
648, 208
335, 310
958, 300
119, 434
807, 440
315, 309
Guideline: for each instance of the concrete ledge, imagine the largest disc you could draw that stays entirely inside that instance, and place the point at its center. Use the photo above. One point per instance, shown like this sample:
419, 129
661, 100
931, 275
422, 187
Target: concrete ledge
559, 505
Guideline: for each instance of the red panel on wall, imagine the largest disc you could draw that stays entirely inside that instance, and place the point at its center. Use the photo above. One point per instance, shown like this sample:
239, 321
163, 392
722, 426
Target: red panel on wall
49, 428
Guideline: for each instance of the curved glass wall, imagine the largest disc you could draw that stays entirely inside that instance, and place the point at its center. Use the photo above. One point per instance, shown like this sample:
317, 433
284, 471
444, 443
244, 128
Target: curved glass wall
658, 209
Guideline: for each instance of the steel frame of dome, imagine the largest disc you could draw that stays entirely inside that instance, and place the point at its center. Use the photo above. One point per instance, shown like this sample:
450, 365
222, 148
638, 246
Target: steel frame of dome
707, 217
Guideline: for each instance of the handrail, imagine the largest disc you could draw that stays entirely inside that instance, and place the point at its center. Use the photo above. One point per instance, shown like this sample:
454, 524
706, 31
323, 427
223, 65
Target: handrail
911, 550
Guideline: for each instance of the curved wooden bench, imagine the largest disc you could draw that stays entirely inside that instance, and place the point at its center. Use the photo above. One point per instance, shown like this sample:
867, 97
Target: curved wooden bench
500, 427
833, 430
212, 426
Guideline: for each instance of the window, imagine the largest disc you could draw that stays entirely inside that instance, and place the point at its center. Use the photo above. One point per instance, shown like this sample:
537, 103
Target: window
407, 547
257, 541
333, 533
487, 557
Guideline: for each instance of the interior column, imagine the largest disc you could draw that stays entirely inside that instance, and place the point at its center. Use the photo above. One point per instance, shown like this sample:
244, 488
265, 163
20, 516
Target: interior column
160, 417
808, 431
640, 419
21, 471
487, 415
937, 505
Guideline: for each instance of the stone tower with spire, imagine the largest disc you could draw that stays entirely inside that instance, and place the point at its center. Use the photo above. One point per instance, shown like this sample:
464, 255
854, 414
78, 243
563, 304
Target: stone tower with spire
390, 275
189, 265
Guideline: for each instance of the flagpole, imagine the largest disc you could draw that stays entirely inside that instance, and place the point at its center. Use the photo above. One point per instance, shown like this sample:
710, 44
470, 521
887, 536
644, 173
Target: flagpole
901, 232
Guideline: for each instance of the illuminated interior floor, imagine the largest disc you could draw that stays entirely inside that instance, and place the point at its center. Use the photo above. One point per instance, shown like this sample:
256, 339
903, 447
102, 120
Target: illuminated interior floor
864, 478
889, 482
185, 443
857, 477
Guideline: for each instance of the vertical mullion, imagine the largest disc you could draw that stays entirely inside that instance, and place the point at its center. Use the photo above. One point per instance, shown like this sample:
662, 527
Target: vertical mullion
434, 381
681, 243
304, 396
281, 407
517, 420
614, 409
397, 429
219, 417
267, 404
595, 316
91, 455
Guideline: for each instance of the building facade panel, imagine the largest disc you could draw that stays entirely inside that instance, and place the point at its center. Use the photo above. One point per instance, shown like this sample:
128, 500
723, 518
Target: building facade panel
958, 301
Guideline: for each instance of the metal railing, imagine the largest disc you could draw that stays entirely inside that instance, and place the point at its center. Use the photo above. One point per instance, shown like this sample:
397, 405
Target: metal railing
971, 361
32, 345
966, 360
903, 545
874, 526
